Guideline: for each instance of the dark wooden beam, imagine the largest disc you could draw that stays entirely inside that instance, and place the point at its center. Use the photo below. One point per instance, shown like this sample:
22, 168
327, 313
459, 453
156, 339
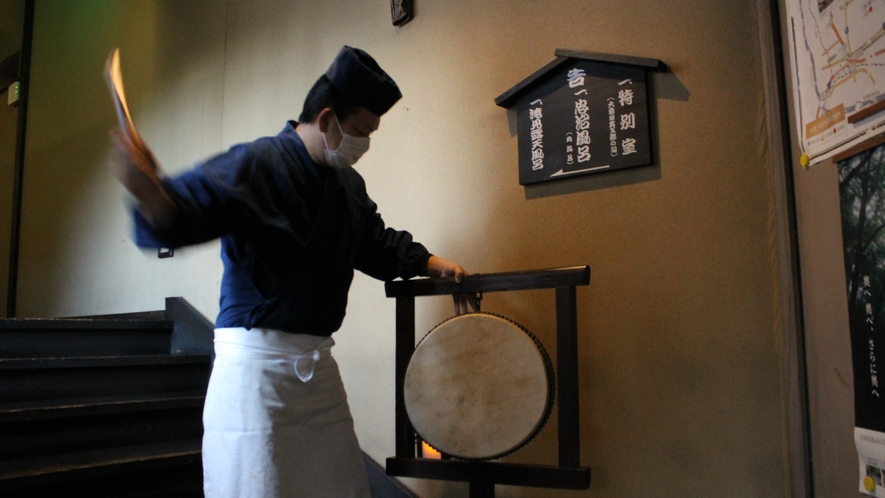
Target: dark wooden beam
567, 377
546, 476
405, 346
524, 280
15, 228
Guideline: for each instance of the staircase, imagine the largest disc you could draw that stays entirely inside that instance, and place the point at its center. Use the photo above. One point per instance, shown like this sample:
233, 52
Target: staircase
106, 406
111, 406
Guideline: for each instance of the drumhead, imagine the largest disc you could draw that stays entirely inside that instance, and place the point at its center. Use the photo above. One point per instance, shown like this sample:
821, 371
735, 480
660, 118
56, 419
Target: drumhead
479, 386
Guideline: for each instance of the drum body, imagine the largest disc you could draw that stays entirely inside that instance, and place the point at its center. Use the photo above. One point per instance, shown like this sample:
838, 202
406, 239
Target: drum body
478, 387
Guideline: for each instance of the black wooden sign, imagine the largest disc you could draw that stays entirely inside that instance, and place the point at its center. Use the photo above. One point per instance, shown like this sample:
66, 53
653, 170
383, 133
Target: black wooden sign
583, 113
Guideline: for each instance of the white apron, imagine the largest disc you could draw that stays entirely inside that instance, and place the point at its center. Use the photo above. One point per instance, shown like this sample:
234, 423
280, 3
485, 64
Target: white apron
276, 420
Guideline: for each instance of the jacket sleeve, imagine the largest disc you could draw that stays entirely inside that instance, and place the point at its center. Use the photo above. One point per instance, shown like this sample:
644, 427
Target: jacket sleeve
386, 253
226, 194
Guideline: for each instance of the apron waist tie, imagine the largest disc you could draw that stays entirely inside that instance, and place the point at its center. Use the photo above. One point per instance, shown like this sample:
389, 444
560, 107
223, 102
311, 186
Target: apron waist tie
302, 350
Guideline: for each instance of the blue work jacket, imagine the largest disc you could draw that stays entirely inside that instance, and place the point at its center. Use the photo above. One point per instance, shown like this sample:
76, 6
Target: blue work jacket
292, 232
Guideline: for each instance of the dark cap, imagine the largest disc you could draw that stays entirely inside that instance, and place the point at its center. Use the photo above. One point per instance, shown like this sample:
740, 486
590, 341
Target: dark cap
356, 74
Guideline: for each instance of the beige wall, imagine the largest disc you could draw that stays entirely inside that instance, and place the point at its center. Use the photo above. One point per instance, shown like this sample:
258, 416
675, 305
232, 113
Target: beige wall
77, 255
679, 338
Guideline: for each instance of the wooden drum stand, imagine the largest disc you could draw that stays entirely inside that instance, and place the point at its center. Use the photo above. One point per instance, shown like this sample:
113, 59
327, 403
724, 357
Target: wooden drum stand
483, 475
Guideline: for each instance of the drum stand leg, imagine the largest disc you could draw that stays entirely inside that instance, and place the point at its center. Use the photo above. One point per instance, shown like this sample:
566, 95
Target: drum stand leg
482, 489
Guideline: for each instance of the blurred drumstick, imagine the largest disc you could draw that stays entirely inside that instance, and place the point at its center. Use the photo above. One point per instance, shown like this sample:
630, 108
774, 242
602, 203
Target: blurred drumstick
114, 78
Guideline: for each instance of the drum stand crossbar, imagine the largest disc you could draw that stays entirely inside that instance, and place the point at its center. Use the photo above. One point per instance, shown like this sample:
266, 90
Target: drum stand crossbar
483, 475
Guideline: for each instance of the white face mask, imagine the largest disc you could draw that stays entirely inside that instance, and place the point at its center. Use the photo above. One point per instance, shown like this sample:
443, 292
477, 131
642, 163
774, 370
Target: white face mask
349, 152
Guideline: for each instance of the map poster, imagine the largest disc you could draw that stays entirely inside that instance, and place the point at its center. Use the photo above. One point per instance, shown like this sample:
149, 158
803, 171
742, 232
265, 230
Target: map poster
862, 199
837, 50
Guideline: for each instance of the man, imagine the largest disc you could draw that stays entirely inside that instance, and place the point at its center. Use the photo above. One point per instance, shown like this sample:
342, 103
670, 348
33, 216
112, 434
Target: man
295, 221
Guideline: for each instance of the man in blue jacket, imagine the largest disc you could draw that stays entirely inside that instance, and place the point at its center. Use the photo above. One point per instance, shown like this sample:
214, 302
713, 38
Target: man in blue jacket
295, 221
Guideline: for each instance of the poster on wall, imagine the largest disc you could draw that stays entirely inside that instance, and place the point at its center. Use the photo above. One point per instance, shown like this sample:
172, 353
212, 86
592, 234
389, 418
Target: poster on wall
862, 198
837, 54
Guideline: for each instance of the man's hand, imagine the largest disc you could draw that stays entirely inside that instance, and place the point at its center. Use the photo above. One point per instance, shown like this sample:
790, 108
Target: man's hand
438, 267
137, 169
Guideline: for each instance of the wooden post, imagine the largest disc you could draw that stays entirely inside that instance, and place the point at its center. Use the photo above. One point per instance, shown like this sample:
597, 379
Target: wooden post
567, 371
405, 346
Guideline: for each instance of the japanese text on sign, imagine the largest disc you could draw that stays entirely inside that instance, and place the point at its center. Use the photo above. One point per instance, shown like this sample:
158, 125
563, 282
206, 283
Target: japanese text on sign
628, 120
582, 118
594, 117
537, 135
612, 133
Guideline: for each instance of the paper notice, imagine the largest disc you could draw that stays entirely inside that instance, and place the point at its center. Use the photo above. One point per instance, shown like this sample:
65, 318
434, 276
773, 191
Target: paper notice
871, 453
